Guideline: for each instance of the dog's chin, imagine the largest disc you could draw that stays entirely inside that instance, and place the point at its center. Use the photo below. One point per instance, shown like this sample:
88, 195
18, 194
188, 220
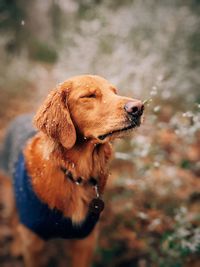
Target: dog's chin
120, 132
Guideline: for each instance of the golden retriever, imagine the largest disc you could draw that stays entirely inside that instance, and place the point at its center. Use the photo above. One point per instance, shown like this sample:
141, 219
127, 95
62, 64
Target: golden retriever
66, 162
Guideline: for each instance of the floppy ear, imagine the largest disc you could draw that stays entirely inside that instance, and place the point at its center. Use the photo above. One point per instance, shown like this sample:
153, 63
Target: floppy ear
53, 117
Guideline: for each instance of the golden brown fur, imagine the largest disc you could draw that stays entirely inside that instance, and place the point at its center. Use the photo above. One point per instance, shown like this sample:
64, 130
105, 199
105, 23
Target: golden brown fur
70, 122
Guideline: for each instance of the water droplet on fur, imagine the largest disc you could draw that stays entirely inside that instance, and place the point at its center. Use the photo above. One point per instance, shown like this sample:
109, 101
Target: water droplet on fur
85, 138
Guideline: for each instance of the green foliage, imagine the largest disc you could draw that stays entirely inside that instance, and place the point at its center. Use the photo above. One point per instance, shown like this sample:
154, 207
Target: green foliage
56, 15
11, 12
13, 15
185, 164
183, 241
42, 52
194, 48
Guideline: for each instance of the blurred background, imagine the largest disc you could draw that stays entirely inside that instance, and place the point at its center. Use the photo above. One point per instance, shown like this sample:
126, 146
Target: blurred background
150, 50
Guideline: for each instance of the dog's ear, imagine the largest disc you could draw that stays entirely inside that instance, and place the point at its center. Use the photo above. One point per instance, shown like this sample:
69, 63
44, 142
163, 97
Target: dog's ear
53, 117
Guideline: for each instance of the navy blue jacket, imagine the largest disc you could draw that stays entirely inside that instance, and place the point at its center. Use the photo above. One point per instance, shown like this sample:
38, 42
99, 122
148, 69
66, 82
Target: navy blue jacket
38, 217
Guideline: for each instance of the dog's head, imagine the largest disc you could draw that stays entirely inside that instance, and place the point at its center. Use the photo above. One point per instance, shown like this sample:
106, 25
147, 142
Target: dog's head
88, 107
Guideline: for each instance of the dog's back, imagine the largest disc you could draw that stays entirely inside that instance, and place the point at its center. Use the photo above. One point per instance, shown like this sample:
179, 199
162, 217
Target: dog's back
17, 134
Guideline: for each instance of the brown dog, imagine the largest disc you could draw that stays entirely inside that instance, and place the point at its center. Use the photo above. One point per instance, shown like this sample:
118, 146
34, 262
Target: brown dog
67, 161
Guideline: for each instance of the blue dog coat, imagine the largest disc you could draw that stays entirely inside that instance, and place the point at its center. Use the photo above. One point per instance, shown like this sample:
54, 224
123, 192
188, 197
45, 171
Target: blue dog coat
38, 217
33, 213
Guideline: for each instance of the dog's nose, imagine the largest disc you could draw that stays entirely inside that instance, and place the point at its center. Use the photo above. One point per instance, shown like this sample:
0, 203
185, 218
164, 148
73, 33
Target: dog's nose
134, 108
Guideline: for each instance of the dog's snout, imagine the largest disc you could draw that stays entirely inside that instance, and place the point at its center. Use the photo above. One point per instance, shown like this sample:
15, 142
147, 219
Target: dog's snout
134, 107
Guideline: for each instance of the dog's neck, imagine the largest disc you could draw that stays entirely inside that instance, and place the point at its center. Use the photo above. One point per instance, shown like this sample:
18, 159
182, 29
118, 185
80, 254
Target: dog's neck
85, 159
44, 158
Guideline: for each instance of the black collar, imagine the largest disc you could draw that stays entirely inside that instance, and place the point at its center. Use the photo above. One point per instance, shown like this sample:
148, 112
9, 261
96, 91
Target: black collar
96, 205
69, 175
92, 181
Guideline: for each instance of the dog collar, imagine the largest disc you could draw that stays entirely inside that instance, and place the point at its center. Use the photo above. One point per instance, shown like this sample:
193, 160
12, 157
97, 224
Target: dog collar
92, 181
97, 204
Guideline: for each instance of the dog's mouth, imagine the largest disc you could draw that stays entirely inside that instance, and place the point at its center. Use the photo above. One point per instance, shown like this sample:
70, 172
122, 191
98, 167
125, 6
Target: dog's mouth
134, 124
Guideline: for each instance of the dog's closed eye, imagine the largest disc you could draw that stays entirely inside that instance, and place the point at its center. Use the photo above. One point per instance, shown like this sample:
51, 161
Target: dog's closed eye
92, 95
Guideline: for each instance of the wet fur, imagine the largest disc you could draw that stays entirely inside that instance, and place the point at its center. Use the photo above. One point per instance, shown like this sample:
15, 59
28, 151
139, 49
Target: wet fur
69, 122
